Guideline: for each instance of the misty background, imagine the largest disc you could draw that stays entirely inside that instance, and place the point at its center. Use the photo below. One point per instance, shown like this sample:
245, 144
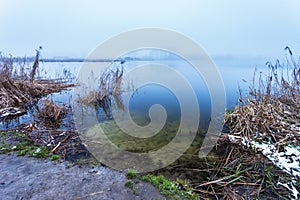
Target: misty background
225, 29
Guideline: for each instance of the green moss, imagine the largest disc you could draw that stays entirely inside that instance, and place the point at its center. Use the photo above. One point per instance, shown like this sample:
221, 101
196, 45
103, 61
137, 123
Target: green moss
5, 148
131, 174
54, 157
179, 189
23, 152
39, 152
129, 184
23, 146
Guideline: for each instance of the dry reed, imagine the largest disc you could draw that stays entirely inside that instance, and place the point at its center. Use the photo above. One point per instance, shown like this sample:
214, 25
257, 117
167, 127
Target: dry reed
271, 111
269, 114
17, 90
50, 112
109, 90
241, 174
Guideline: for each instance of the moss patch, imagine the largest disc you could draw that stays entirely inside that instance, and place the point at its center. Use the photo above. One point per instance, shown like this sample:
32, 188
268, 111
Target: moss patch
131, 174
20, 143
129, 184
179, 189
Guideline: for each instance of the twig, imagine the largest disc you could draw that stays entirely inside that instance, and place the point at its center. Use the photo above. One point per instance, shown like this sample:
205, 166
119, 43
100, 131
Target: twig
59, 143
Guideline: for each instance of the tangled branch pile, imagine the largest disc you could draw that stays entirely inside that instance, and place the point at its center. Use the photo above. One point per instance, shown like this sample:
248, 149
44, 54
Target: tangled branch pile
271, 111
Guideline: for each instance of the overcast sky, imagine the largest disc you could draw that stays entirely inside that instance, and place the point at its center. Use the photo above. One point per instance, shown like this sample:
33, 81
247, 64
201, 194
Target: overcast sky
75, 28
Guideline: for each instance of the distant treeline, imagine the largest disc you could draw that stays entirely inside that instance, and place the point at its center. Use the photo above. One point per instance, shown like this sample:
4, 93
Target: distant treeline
31, 59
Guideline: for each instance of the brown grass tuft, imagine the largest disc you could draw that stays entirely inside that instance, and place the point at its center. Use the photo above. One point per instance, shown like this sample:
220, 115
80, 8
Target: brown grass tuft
50, 112
271, 111
109, 91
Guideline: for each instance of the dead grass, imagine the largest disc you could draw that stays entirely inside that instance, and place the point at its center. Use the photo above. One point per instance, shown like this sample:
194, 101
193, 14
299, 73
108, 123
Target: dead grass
242, 174
18, 89
91, 98
269, 114
50, 112
271, 111
108, 92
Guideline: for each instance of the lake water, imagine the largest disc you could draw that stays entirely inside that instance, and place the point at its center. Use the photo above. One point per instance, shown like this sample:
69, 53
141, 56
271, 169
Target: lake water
133, 136
234, 74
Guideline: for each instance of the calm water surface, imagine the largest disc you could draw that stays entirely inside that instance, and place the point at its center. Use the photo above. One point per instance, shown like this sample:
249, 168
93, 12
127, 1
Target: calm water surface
234, 74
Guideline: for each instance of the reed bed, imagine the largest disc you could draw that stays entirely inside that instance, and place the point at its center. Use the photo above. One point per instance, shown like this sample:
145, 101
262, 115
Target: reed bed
270, 113
18, 88
108, 91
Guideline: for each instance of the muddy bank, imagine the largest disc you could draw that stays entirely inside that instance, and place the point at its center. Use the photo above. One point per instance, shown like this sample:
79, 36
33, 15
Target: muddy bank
27, 178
